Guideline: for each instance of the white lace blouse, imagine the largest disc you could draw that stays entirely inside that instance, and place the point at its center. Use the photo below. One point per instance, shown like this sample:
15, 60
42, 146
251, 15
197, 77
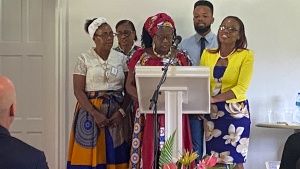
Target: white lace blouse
100, 74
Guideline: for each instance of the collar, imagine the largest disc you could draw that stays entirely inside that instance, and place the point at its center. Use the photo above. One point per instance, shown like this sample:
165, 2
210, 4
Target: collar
209, 37
119, 49
94, 54
4, 131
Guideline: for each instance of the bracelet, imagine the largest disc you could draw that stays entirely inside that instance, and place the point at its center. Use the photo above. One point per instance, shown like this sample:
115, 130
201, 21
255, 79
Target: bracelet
122, 112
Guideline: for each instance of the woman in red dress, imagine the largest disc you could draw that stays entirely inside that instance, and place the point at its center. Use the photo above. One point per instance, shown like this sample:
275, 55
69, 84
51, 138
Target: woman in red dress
157, 38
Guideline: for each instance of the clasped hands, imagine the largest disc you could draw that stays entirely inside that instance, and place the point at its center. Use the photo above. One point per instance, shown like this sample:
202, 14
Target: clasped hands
101, 120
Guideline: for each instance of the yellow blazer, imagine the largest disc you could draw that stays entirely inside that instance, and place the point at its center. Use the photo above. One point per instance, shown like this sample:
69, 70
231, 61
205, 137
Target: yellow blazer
237, 75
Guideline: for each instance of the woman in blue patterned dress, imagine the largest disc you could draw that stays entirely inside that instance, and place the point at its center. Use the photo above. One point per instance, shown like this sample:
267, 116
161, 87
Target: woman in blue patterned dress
227, 127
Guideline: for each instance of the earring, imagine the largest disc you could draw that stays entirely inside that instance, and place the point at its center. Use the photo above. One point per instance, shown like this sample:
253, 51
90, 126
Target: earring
153, 46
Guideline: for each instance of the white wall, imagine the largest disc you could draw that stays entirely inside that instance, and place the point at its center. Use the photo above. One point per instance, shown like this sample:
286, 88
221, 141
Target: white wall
272, 29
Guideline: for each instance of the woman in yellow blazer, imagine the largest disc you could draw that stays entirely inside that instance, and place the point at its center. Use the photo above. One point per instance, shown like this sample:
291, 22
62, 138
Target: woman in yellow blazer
227, 127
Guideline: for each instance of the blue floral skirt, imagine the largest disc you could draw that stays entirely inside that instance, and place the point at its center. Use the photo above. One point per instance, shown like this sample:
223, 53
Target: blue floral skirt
227, 130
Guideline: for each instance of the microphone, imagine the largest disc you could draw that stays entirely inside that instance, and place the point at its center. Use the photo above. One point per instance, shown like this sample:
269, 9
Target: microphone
176, 41
173, 53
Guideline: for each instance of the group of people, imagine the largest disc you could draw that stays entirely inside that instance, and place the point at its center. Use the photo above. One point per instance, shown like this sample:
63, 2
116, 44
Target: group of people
108, 128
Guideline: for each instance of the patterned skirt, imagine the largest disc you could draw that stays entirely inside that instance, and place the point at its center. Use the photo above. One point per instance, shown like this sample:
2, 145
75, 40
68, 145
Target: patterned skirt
137, 136
91, 147
227, 131
142, 150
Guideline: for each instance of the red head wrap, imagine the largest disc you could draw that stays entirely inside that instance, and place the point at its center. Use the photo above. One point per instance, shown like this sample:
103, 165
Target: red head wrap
153, 23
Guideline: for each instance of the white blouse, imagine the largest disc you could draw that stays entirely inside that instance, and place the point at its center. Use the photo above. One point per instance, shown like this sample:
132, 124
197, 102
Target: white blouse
100, 74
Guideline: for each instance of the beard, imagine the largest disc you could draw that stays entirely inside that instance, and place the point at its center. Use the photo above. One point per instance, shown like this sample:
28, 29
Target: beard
201, 30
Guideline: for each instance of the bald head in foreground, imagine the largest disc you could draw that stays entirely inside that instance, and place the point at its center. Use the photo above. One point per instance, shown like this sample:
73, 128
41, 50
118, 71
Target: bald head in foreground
14, 153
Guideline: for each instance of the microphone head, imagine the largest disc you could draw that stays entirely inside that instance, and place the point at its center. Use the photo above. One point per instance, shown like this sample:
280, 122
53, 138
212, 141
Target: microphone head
178, 39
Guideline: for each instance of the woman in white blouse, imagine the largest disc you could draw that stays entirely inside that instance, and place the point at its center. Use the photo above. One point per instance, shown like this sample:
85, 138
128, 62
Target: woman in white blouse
98, 135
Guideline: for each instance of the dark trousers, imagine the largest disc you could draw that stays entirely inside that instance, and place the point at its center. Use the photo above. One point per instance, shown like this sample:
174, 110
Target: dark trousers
291, 153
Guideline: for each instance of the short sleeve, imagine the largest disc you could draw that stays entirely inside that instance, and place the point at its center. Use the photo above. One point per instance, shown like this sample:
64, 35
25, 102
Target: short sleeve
80, 66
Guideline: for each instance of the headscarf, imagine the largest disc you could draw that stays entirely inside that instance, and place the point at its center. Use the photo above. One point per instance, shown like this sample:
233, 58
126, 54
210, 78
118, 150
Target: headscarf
94, 26
153, 23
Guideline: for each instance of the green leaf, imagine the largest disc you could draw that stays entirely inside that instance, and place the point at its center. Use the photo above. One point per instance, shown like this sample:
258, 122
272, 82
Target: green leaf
178, 164
231, 166
166, 153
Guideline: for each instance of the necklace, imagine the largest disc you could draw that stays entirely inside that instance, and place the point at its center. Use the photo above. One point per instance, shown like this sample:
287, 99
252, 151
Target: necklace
104, 65
161, 56
105, 79
225, 57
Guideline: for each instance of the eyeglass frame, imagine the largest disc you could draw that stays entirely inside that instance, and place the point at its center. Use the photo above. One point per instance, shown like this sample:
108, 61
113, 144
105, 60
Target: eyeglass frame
169, 38
120, 34
106, 35
230, 29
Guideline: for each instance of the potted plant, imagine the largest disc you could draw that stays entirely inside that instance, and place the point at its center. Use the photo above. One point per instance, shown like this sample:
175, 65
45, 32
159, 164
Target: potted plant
166, 160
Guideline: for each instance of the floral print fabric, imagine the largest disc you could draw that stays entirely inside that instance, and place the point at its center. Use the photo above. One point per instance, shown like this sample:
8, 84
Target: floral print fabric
227, 127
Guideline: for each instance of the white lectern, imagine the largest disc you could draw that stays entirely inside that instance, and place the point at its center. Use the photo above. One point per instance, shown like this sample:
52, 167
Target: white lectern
186, 90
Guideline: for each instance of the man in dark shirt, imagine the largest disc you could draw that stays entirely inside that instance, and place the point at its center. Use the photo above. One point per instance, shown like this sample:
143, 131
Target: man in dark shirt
291, 153
14, 153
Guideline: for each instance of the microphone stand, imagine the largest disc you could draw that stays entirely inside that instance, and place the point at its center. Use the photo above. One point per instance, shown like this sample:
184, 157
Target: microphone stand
153, 101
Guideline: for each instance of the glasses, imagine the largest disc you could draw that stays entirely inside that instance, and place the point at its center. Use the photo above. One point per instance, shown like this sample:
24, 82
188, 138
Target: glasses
126, 33
162, 38
106, 35
230, 29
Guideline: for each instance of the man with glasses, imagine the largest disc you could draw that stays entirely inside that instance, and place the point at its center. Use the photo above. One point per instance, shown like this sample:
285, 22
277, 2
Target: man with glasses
203, 38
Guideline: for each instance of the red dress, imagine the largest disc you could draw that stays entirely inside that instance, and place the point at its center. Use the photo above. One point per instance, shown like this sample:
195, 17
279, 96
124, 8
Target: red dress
142, 146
